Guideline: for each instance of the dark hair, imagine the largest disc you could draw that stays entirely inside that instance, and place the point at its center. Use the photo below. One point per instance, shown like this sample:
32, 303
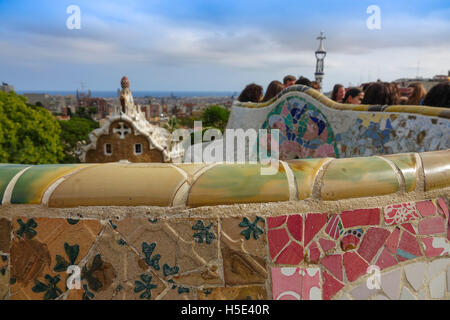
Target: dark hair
335, 91
251, 93
288, 78
438, 96
304, 81
274, 88
353, 92
377, 93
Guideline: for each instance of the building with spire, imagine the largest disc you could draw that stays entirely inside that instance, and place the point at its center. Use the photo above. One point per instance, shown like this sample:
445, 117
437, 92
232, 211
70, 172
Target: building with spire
320, 57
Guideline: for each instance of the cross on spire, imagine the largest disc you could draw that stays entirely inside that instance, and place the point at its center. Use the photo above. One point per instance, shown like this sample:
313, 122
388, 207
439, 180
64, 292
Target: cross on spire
123, 130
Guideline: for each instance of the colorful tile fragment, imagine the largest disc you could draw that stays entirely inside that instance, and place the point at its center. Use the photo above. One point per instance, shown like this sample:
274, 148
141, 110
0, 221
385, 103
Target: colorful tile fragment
351, 239
334, 227
286, 283
399, 213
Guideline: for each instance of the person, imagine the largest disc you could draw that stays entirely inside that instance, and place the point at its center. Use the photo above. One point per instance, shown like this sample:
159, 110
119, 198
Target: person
315, 85
252, 93
338, 93
288, 81
274, 88
353, 96
438, 96
416, 94
393, 93
377, 93
304, 81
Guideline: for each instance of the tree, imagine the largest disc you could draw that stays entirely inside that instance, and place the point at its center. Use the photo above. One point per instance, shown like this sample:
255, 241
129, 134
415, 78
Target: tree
72, 131
215, 116
28, 134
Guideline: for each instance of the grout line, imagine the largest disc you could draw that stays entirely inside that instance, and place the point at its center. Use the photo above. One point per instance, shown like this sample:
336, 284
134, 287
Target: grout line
293, 192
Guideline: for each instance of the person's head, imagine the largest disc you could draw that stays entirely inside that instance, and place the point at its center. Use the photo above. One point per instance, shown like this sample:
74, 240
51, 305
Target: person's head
353, 96
393, 93
315, 85
377, 93
251, 93
438, 96
288, 81
274, 88
416, 93
338, 93
304, 81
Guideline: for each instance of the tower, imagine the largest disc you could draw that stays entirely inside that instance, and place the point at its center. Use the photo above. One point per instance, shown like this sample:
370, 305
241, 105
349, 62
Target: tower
320, 56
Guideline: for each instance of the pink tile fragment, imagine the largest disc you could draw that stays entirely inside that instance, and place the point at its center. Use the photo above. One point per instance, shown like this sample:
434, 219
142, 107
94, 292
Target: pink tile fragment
311, 289
330, 286
373, 240
392, 241
426, 208
277, 240
293, 254
334, 264
313, 224
360, 217
354, 265
286, 283
408, 247
435, 247
327, 244
400, 213
295, 226
385, 260
334, 227
432, 225
409, 227
274, 222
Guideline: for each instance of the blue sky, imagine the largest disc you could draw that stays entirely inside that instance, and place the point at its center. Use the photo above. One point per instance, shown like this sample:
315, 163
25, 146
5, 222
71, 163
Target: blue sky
217, 45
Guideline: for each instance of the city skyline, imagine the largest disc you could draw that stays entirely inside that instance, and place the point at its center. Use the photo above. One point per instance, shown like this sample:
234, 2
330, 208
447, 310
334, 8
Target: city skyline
201, 45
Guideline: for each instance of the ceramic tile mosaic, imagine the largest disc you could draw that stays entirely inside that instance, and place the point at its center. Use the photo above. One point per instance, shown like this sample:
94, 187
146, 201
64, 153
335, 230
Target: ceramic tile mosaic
305, 171
7, 173
373, 240
435, 165
5, 235
234, 293
407, 165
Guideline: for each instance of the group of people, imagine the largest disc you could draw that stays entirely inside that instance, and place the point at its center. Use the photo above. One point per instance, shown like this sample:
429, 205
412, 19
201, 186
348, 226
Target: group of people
374, 93
254, 92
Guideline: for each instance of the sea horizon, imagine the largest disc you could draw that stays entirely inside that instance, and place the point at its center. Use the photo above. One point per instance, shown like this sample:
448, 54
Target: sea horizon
136, 94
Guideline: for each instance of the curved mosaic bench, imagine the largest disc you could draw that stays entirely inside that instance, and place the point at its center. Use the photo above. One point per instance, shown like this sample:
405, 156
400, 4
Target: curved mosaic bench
313, 126
199, 231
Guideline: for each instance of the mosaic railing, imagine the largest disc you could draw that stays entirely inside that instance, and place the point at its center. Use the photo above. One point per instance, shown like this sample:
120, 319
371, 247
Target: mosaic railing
314, 230
313, 126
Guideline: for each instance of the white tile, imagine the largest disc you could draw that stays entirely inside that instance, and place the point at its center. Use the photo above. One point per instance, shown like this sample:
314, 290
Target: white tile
437, 287
361, 292
390, 283
415, 273
422, 295
406, 294
437, 266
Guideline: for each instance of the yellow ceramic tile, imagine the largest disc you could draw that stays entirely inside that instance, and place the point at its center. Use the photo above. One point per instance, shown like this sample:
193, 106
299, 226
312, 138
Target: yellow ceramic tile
305, 171
34, 182
238, 183
191, 168
358, 177
436, 165
406, 162
118, 184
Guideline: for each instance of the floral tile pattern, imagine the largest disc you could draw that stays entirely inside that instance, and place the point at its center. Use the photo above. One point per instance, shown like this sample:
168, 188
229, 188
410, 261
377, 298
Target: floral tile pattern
399, 213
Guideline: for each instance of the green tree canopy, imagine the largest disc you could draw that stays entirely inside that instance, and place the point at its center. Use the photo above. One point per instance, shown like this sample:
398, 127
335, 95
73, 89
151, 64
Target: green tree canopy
215, 116
28, 134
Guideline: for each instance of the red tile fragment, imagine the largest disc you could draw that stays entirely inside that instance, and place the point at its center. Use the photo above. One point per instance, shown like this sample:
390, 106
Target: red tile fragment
334, 264
293, 254
442, 207
432, 225
354, 265
409, 227
330, 286
408, 247
360, 217
313, 223
277, 240
327, 244
334, 227
385, 260
295, 226
373, 240
426, 208
392, 241
313, 253
274, 222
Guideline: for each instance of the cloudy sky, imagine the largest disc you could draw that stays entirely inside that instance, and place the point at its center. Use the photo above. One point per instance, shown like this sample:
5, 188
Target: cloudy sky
202, 45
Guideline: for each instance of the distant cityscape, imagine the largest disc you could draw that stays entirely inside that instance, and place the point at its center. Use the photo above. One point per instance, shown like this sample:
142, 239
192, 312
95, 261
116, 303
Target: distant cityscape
158, 107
